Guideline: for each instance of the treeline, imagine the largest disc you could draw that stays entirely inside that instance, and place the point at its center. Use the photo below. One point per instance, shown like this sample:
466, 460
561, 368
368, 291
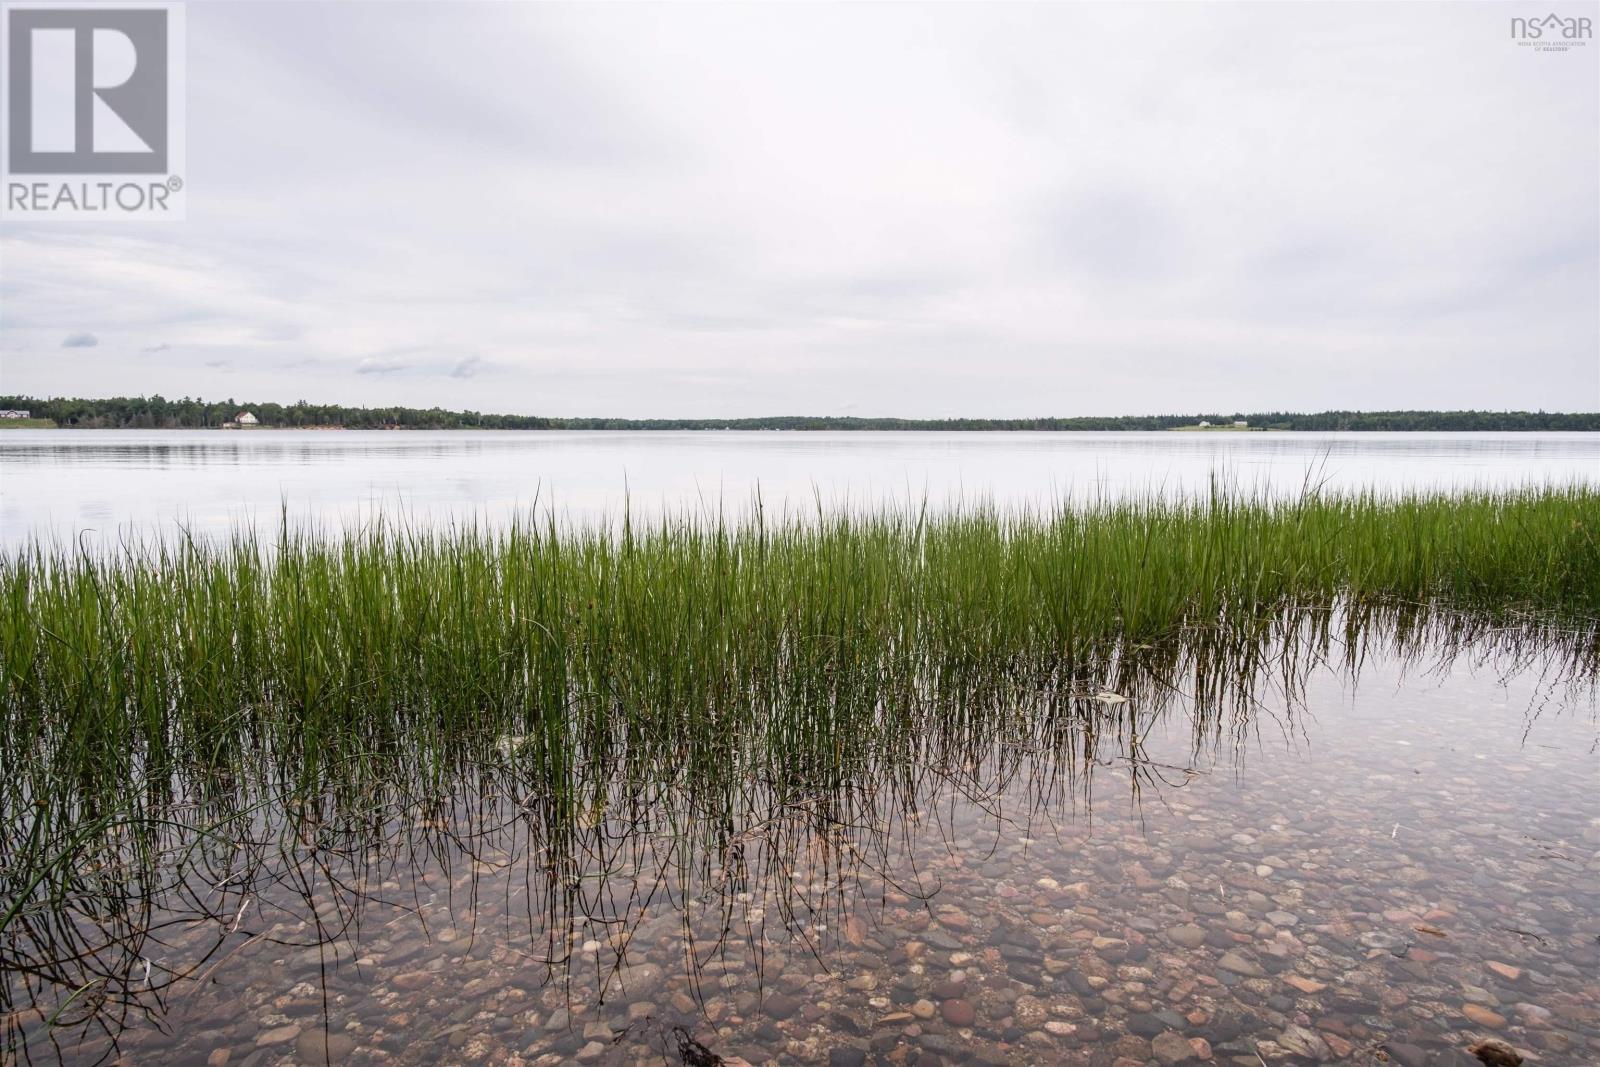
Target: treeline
159, 413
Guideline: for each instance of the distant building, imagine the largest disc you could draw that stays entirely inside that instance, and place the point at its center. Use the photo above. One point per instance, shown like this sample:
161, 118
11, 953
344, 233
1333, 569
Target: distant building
1240, 424
1204, 424
244, 418
14, 413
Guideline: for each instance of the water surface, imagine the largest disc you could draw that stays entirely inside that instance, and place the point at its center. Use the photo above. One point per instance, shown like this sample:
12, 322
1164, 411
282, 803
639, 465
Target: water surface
113, 482
1340, 858
1295, 853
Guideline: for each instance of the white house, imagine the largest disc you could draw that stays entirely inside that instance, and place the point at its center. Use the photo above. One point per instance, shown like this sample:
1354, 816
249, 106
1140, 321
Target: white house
13, 413
1204, 423
1240, 424
244, 418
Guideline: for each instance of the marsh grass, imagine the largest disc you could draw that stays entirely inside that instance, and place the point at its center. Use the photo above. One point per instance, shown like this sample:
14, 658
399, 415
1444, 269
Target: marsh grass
702, 644
180, 718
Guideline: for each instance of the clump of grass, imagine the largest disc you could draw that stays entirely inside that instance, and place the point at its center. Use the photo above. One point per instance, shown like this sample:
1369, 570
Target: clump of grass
169, 704
694, 642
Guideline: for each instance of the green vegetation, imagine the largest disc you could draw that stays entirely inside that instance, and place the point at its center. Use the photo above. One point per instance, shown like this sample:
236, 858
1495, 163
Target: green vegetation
155, 413
27, 424
194, 727
686, 642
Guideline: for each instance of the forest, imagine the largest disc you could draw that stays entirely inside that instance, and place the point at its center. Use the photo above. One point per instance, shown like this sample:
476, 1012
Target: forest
159, 413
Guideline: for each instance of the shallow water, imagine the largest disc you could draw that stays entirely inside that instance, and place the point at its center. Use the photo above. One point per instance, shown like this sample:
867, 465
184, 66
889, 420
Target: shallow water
1404, 858
116, 482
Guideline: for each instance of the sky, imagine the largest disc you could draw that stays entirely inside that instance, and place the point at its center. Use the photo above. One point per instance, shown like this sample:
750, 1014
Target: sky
923, 211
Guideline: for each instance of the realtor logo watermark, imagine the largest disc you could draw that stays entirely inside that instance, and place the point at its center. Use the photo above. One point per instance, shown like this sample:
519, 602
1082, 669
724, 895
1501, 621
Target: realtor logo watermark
93, 107
1552, 32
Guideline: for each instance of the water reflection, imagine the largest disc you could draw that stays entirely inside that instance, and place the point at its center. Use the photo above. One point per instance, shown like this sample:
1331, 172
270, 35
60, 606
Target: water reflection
63, 482
1358, 832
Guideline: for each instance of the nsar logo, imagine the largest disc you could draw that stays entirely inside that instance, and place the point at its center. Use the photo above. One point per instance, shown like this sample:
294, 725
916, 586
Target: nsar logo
1552, 33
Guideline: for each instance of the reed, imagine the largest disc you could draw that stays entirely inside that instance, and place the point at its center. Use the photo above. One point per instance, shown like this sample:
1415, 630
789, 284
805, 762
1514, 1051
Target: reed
701, 643
178, 715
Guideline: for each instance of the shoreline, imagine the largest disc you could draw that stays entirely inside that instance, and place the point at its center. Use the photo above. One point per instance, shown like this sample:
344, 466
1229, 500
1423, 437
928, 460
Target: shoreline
864, 430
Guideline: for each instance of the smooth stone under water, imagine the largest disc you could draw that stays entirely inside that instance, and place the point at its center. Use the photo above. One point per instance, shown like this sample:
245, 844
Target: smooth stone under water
1387, 869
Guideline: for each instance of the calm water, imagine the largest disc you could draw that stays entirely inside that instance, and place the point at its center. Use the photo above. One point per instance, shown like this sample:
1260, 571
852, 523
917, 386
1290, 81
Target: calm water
1295, 855
65, 482
1324, 866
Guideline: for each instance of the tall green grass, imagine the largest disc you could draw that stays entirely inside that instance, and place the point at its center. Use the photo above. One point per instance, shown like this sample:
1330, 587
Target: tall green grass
171, 707
684, 640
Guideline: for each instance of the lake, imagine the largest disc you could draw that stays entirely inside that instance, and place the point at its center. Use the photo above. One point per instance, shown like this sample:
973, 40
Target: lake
1349, 858
64, 482
906, 796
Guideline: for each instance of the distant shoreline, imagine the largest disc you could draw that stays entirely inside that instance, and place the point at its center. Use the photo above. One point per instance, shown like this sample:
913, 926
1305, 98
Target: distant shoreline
45, 424
159, 413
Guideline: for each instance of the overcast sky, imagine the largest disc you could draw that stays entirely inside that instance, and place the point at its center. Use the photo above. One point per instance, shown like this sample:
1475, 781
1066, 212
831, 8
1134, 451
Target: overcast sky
888, 209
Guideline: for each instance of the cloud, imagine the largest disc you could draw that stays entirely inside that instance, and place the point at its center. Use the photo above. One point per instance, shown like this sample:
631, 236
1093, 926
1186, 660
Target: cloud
150, 350
80, 340
1261, 206
377, 365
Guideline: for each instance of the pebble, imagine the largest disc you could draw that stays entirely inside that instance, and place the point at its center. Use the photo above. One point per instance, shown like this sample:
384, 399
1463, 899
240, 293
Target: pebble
318, 1047
1496, 1053
780, 1005
1187, 936
1286, 919
1483, 1016
1301, 1041
1172, 1048
1505, 970
958, 1012
1385, 941
1237, 963
278, 1035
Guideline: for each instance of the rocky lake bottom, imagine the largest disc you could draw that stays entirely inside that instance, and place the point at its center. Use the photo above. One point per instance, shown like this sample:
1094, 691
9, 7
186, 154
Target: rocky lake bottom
1384, 869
